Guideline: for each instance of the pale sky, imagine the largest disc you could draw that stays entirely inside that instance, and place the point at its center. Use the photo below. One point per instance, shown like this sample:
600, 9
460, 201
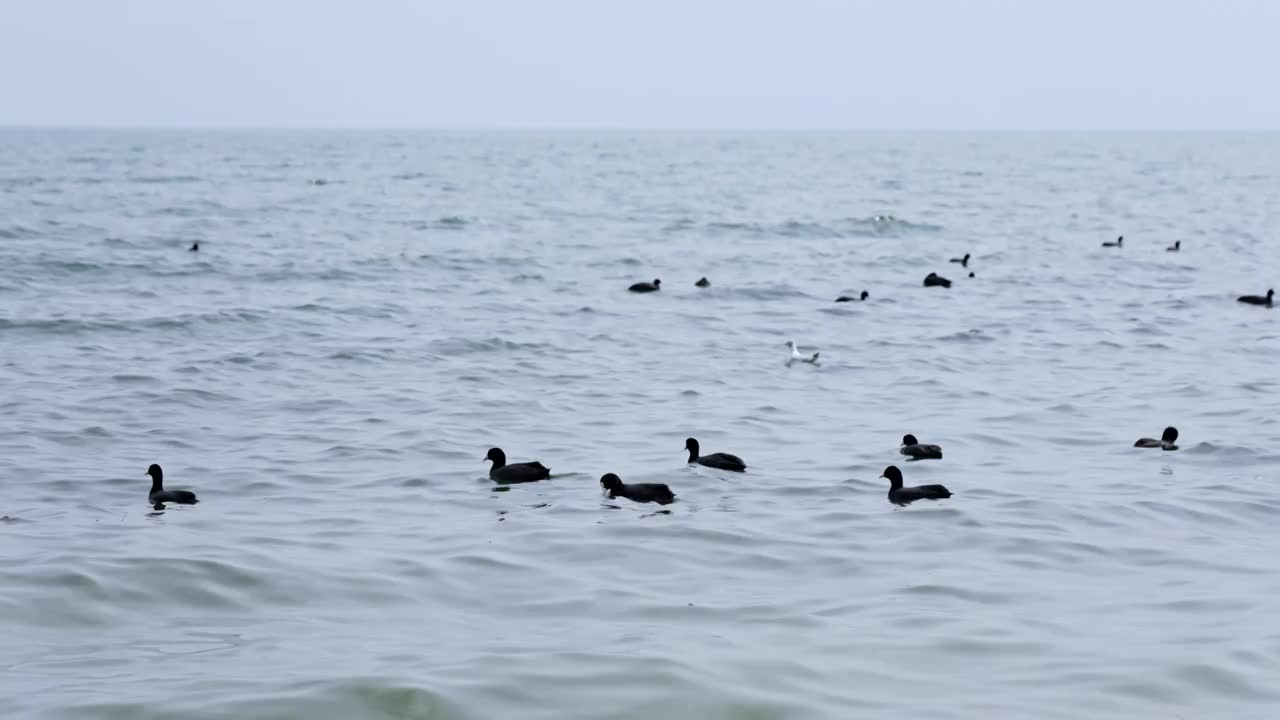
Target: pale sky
883, 64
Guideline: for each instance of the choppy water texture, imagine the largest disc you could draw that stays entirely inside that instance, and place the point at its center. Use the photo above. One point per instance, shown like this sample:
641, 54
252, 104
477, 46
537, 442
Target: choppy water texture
370, 312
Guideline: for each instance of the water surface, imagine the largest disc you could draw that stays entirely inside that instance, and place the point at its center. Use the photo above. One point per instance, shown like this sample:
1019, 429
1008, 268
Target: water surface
370, 312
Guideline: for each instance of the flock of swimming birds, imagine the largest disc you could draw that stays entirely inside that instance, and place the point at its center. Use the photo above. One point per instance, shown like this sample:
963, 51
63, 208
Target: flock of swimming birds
506, 473
935, 280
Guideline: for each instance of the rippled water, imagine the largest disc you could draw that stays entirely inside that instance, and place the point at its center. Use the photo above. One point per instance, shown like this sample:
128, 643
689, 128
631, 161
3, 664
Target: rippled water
370, 312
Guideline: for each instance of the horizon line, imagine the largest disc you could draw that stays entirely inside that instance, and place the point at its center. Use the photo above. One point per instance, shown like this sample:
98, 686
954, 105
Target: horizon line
618, 128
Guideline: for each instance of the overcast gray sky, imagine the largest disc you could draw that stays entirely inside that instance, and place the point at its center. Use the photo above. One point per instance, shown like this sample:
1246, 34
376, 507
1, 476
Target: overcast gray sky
642, 63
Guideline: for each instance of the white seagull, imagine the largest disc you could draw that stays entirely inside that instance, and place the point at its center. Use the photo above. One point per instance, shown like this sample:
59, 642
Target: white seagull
797, 357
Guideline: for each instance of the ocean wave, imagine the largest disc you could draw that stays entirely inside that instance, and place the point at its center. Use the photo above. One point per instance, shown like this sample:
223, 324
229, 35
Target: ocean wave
447, 222
18, 232
163, 179
762, 293
57, 266
204, 207
366, 698
365, 356
973, 335
468, 346
875, 226
78, 326
25, 181
330, 274
627, 261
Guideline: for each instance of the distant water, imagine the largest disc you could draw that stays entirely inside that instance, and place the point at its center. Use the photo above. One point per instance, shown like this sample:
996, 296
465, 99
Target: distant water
370, 312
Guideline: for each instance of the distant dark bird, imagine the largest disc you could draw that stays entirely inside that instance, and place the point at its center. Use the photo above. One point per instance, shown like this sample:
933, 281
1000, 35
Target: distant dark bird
846, 298
719, 461
964, 261
158, 495
971, 274
899, 495
643, 287
1166, 441
1118, 243
638, 492
913, 449
1175, 247
701, 283
195, 247
515, 472
1257, 299
936, 280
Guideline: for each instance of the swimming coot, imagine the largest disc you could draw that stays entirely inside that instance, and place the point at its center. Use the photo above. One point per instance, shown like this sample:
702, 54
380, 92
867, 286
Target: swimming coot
1175, 247
158, 495
515, 472
1118, 243
964, 261
797, 357
1257, 299
971, 274
702, 283
1166, 441
719, 461
914, 450
846, 298
936, 280
899, 495
643, 287
638, 492
195, 247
